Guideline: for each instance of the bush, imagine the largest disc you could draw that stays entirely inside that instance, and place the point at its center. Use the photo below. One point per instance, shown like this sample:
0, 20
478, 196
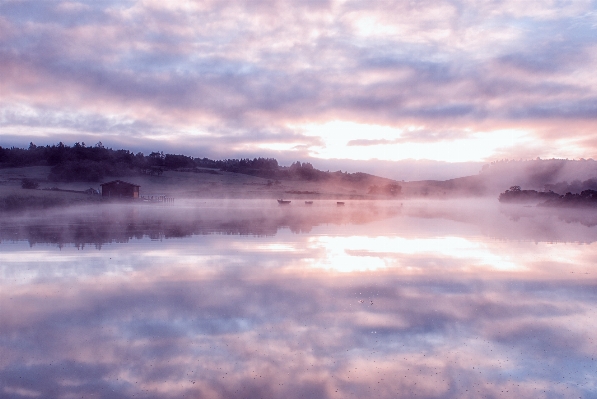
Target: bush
389, 189
29, 184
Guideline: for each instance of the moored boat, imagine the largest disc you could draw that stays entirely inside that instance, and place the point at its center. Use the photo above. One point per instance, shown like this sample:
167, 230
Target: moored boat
340, 203
283, 202
309, 202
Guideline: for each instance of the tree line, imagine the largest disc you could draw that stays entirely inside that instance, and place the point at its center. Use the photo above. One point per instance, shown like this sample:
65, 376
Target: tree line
587, 197
81, 162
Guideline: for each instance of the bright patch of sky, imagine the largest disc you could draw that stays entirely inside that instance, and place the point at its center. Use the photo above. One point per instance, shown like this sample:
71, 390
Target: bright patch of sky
384, 143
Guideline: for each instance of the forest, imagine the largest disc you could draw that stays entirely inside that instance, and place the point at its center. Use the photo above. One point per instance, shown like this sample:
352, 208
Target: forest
93, 163
587, 197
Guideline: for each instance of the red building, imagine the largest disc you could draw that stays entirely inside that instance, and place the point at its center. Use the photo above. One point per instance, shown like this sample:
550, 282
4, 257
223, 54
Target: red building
120, 189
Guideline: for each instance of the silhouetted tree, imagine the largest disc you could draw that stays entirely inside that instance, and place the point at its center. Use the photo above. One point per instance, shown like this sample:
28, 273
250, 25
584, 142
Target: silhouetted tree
29, 184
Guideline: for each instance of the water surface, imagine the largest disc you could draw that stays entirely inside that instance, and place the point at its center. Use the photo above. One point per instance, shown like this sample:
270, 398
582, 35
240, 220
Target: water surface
248, 299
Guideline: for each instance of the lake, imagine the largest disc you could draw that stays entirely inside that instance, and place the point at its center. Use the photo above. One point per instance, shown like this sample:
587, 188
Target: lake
250, 299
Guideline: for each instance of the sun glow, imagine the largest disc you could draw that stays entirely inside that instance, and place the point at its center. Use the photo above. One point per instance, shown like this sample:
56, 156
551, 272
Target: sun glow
393, 144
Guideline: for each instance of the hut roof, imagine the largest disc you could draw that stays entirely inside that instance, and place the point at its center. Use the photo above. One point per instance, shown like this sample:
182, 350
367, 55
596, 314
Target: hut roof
119, 182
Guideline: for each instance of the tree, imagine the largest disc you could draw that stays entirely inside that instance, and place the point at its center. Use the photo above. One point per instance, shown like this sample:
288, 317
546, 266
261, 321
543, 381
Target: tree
29, 184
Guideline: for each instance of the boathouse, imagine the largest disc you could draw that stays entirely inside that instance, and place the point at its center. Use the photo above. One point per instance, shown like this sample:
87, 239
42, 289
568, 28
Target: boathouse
120, 189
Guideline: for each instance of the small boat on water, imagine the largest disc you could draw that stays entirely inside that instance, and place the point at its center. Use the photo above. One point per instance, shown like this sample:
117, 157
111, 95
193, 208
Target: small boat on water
340, 203
283, 202
309, 202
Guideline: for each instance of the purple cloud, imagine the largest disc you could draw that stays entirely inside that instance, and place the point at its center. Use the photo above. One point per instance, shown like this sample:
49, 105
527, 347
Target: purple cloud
263, 66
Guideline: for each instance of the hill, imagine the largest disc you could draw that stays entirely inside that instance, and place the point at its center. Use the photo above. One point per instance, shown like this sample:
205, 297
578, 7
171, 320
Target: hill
197, 183
557, 175
61, 173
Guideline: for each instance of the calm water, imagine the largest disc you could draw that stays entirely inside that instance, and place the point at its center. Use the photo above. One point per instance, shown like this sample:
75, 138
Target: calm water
248, 299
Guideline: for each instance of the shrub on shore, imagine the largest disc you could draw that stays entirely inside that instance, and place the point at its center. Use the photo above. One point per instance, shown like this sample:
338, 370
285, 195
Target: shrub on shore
29, 184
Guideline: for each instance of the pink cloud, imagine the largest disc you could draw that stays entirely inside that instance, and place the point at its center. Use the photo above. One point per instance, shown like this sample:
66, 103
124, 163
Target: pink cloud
247, 66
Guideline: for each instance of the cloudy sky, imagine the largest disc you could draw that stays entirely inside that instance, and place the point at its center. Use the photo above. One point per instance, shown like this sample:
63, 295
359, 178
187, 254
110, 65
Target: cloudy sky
333, 82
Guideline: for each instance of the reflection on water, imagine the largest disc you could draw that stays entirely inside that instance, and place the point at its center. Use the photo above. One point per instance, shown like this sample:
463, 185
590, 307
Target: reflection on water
123, 222
249, 300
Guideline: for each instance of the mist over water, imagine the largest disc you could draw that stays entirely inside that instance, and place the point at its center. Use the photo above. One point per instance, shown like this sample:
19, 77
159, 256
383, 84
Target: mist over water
249, 299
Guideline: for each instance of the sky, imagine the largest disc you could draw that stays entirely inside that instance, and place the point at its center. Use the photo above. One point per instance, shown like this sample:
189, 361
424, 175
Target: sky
344, 84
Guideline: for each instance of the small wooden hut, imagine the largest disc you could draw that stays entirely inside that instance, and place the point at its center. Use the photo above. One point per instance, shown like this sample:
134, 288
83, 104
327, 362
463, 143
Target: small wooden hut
120, 189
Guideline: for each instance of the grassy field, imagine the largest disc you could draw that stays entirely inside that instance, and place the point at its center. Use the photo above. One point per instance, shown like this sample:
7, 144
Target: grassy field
207, 184
16, 198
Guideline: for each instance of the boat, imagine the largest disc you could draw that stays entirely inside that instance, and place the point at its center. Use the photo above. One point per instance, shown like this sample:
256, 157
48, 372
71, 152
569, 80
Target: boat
340, 203
283, 202
309, 202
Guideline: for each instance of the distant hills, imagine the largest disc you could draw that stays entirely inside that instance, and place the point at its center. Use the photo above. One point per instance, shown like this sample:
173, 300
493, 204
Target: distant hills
557, 175
96, 163
82, 163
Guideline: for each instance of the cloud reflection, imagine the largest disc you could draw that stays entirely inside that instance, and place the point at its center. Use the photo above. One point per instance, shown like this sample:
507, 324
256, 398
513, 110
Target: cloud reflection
238, 316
